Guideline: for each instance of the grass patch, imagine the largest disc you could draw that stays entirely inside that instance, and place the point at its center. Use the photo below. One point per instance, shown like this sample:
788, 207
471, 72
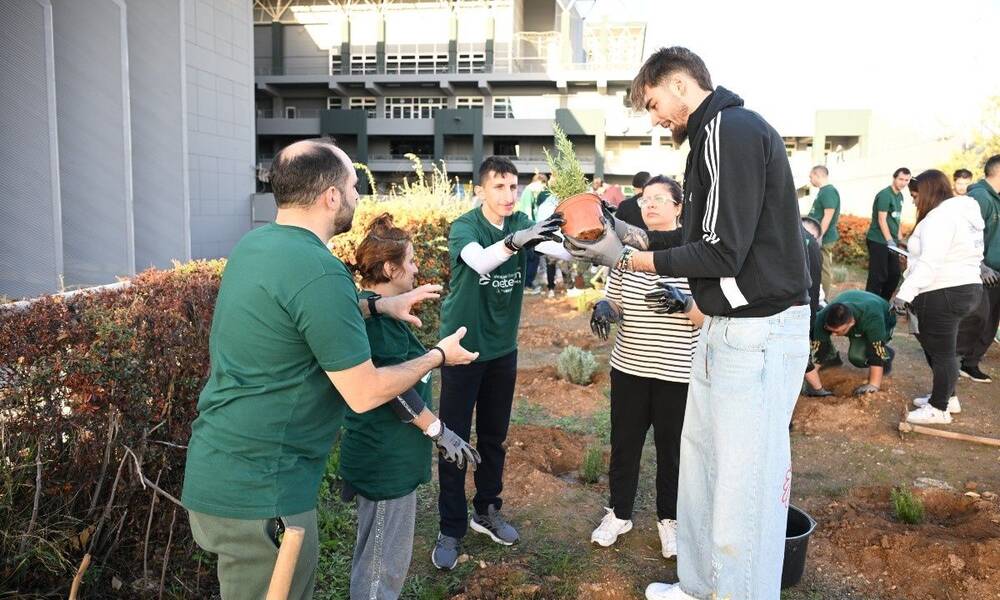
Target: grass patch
593, 465
906, 507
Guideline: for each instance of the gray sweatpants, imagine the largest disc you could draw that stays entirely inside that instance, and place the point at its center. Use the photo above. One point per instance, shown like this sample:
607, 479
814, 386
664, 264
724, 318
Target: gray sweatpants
385, 545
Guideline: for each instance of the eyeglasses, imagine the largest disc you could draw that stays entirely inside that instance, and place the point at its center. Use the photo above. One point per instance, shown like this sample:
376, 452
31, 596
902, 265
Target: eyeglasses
643, 201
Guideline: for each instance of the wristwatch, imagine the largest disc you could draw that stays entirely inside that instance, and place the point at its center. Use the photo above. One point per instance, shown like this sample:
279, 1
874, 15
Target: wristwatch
434, 429
372, 310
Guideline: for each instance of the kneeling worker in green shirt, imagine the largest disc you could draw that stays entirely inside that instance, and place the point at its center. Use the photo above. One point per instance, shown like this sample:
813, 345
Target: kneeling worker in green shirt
386, 453
288, 349
867, 320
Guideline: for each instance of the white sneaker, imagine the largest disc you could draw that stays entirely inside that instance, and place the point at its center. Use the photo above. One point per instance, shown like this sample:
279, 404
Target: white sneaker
953, 405
928, 415
610, 528
668, 537
666, 591
551, 294
532, 291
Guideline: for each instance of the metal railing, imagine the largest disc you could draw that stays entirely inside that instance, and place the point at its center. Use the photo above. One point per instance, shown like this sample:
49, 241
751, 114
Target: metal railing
298, 113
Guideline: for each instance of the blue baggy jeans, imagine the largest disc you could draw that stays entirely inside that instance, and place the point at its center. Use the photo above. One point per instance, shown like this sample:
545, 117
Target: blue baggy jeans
735, 465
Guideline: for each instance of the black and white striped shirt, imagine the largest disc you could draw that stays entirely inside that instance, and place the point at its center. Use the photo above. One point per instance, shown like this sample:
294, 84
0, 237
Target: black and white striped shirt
650, 344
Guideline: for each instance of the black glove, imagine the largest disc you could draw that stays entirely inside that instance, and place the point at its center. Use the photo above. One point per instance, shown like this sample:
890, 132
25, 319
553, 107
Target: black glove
546, 230
456, 450
989, 276
899, 305
602, 317
407, 405
668, 300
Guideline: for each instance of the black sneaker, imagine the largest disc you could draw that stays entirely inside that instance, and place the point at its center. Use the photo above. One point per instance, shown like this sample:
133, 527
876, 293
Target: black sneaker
974, 374
495, 526
808, 390
444, 556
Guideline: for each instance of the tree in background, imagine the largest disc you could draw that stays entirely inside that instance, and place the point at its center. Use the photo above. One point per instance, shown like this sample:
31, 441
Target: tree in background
985, 143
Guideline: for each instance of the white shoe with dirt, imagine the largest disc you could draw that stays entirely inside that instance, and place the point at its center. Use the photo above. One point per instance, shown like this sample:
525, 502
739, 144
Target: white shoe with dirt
668, 537
954, 407
666, 591
610, 528
928, 415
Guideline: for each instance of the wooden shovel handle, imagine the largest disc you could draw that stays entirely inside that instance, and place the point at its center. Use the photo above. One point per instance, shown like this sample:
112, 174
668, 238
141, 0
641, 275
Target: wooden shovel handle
78, 578
951, 435
284, 568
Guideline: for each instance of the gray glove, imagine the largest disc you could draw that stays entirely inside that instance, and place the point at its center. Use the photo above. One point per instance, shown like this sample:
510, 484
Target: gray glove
808, 390
867, 388
605, 251
629, 235
456, 450
539, 232
989, 276
899, 305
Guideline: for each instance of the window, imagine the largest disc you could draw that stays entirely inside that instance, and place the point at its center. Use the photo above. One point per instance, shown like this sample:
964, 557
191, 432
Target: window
363, 64
334, 103
506, 148
472, 62
336, 65
412, 108
424, 148
502, 108
417, 62
367, 103
469, 102
290, 112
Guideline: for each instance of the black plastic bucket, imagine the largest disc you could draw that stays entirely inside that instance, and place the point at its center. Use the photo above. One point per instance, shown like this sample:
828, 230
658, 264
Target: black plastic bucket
800, 527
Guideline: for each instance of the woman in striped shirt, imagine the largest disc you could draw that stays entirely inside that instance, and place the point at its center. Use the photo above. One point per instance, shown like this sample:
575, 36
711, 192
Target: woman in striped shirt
650, 369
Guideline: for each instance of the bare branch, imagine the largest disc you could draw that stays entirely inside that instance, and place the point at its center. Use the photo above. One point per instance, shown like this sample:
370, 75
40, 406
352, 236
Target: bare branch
145, 480
38, 497
166, 552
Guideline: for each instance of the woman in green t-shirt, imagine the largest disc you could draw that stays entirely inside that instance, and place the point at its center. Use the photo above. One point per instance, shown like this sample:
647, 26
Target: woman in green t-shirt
386, 453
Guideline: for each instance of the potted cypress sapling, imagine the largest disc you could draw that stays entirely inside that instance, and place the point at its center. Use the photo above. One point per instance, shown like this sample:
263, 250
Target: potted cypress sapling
580, 207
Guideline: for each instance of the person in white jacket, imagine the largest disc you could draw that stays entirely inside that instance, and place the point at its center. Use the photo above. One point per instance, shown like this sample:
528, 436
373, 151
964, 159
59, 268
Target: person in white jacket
941, 286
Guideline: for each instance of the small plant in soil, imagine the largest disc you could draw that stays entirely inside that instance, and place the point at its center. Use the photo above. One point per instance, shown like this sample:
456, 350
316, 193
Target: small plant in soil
576, 365
906, 507
593, 465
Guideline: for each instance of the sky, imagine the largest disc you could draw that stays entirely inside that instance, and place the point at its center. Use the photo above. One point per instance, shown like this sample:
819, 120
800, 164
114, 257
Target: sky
926, 64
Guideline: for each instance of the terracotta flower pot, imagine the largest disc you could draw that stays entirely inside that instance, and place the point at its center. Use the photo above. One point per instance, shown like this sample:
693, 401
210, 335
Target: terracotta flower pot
584, 217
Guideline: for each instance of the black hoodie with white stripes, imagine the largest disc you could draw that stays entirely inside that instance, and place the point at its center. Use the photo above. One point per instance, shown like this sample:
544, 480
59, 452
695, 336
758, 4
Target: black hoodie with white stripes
741, 244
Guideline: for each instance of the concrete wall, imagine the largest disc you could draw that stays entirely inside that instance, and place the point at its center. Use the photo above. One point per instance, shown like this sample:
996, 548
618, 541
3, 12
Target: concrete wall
304, 53
159, 130
31, 253
92, 111
219, 70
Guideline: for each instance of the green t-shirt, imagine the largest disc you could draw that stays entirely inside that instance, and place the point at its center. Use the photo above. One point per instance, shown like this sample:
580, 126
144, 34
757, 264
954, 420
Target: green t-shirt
873, 320
287, 311
488, 305
827, 197
891, 203
380, 456
989, 207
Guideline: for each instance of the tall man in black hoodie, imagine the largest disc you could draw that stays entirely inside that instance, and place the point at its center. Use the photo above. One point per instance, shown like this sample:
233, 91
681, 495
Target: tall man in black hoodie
742, 251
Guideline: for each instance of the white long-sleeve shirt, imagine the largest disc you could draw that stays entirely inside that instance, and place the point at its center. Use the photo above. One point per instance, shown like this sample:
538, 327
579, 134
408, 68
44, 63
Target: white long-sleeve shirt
945, 249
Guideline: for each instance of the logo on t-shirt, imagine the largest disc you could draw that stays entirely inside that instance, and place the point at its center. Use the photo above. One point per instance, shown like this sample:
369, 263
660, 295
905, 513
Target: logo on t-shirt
502, 283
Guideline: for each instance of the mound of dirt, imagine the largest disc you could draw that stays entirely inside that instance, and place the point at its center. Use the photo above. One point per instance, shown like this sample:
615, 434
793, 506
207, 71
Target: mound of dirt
503, 581
954, 553
610, 585
543, 387
843, 411
542, 462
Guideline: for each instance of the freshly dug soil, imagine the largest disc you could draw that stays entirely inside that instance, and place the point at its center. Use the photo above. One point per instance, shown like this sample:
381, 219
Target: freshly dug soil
543, 387
954, 553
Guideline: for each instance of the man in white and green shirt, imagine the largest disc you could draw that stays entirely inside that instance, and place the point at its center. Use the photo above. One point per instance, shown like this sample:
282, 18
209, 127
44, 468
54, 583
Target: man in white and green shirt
488, 254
